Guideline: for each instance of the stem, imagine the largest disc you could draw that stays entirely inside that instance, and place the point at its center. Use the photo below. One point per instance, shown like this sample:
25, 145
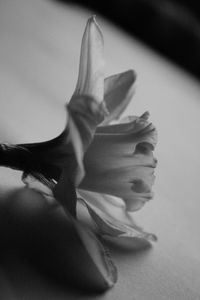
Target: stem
16, 157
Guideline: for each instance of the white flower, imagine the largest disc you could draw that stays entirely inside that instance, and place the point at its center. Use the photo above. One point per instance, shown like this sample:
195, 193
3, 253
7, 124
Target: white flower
108, 168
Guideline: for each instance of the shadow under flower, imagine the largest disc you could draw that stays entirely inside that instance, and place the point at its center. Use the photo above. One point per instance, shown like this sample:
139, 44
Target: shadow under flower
43, 240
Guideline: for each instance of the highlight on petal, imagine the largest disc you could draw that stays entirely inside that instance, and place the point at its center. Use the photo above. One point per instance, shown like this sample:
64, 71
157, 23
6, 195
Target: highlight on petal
120, 162
86, 106
118, 92
78, 147
112, 220
91, 69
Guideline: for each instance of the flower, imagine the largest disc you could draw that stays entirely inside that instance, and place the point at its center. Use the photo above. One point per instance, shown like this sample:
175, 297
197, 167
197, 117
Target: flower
107, 168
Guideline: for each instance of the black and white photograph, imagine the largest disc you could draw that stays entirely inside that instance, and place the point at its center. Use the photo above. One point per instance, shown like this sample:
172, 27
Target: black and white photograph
99, 150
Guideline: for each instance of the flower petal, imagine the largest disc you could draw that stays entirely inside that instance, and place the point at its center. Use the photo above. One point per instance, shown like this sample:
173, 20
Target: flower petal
120, 162
100, 269
104, 272
91, 68
118, 92
86, 106
87, 114
84, 116
110, 205
114, 221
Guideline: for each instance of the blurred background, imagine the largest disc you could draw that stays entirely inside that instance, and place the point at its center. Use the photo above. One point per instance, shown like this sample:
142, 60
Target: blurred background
171, 27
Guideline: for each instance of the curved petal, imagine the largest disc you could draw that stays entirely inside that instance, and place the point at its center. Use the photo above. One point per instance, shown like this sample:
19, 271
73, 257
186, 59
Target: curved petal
91, 68
122, 163
112, 220
104, 270
118, 92
111, 205
86, 106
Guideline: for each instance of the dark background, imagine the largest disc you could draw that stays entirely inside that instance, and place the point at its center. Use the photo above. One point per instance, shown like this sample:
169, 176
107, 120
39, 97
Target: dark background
170, 27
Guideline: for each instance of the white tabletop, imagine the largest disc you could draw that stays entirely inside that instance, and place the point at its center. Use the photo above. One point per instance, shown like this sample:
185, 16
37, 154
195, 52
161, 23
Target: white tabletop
39, 55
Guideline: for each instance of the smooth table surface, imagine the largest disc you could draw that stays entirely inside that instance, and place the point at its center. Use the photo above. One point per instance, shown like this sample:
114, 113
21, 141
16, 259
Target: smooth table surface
39, 55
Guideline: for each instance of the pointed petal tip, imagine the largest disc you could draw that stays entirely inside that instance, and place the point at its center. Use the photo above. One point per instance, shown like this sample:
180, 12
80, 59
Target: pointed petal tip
91, 65
133, 74
92, 21
151, 237
145, 115
93, 18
